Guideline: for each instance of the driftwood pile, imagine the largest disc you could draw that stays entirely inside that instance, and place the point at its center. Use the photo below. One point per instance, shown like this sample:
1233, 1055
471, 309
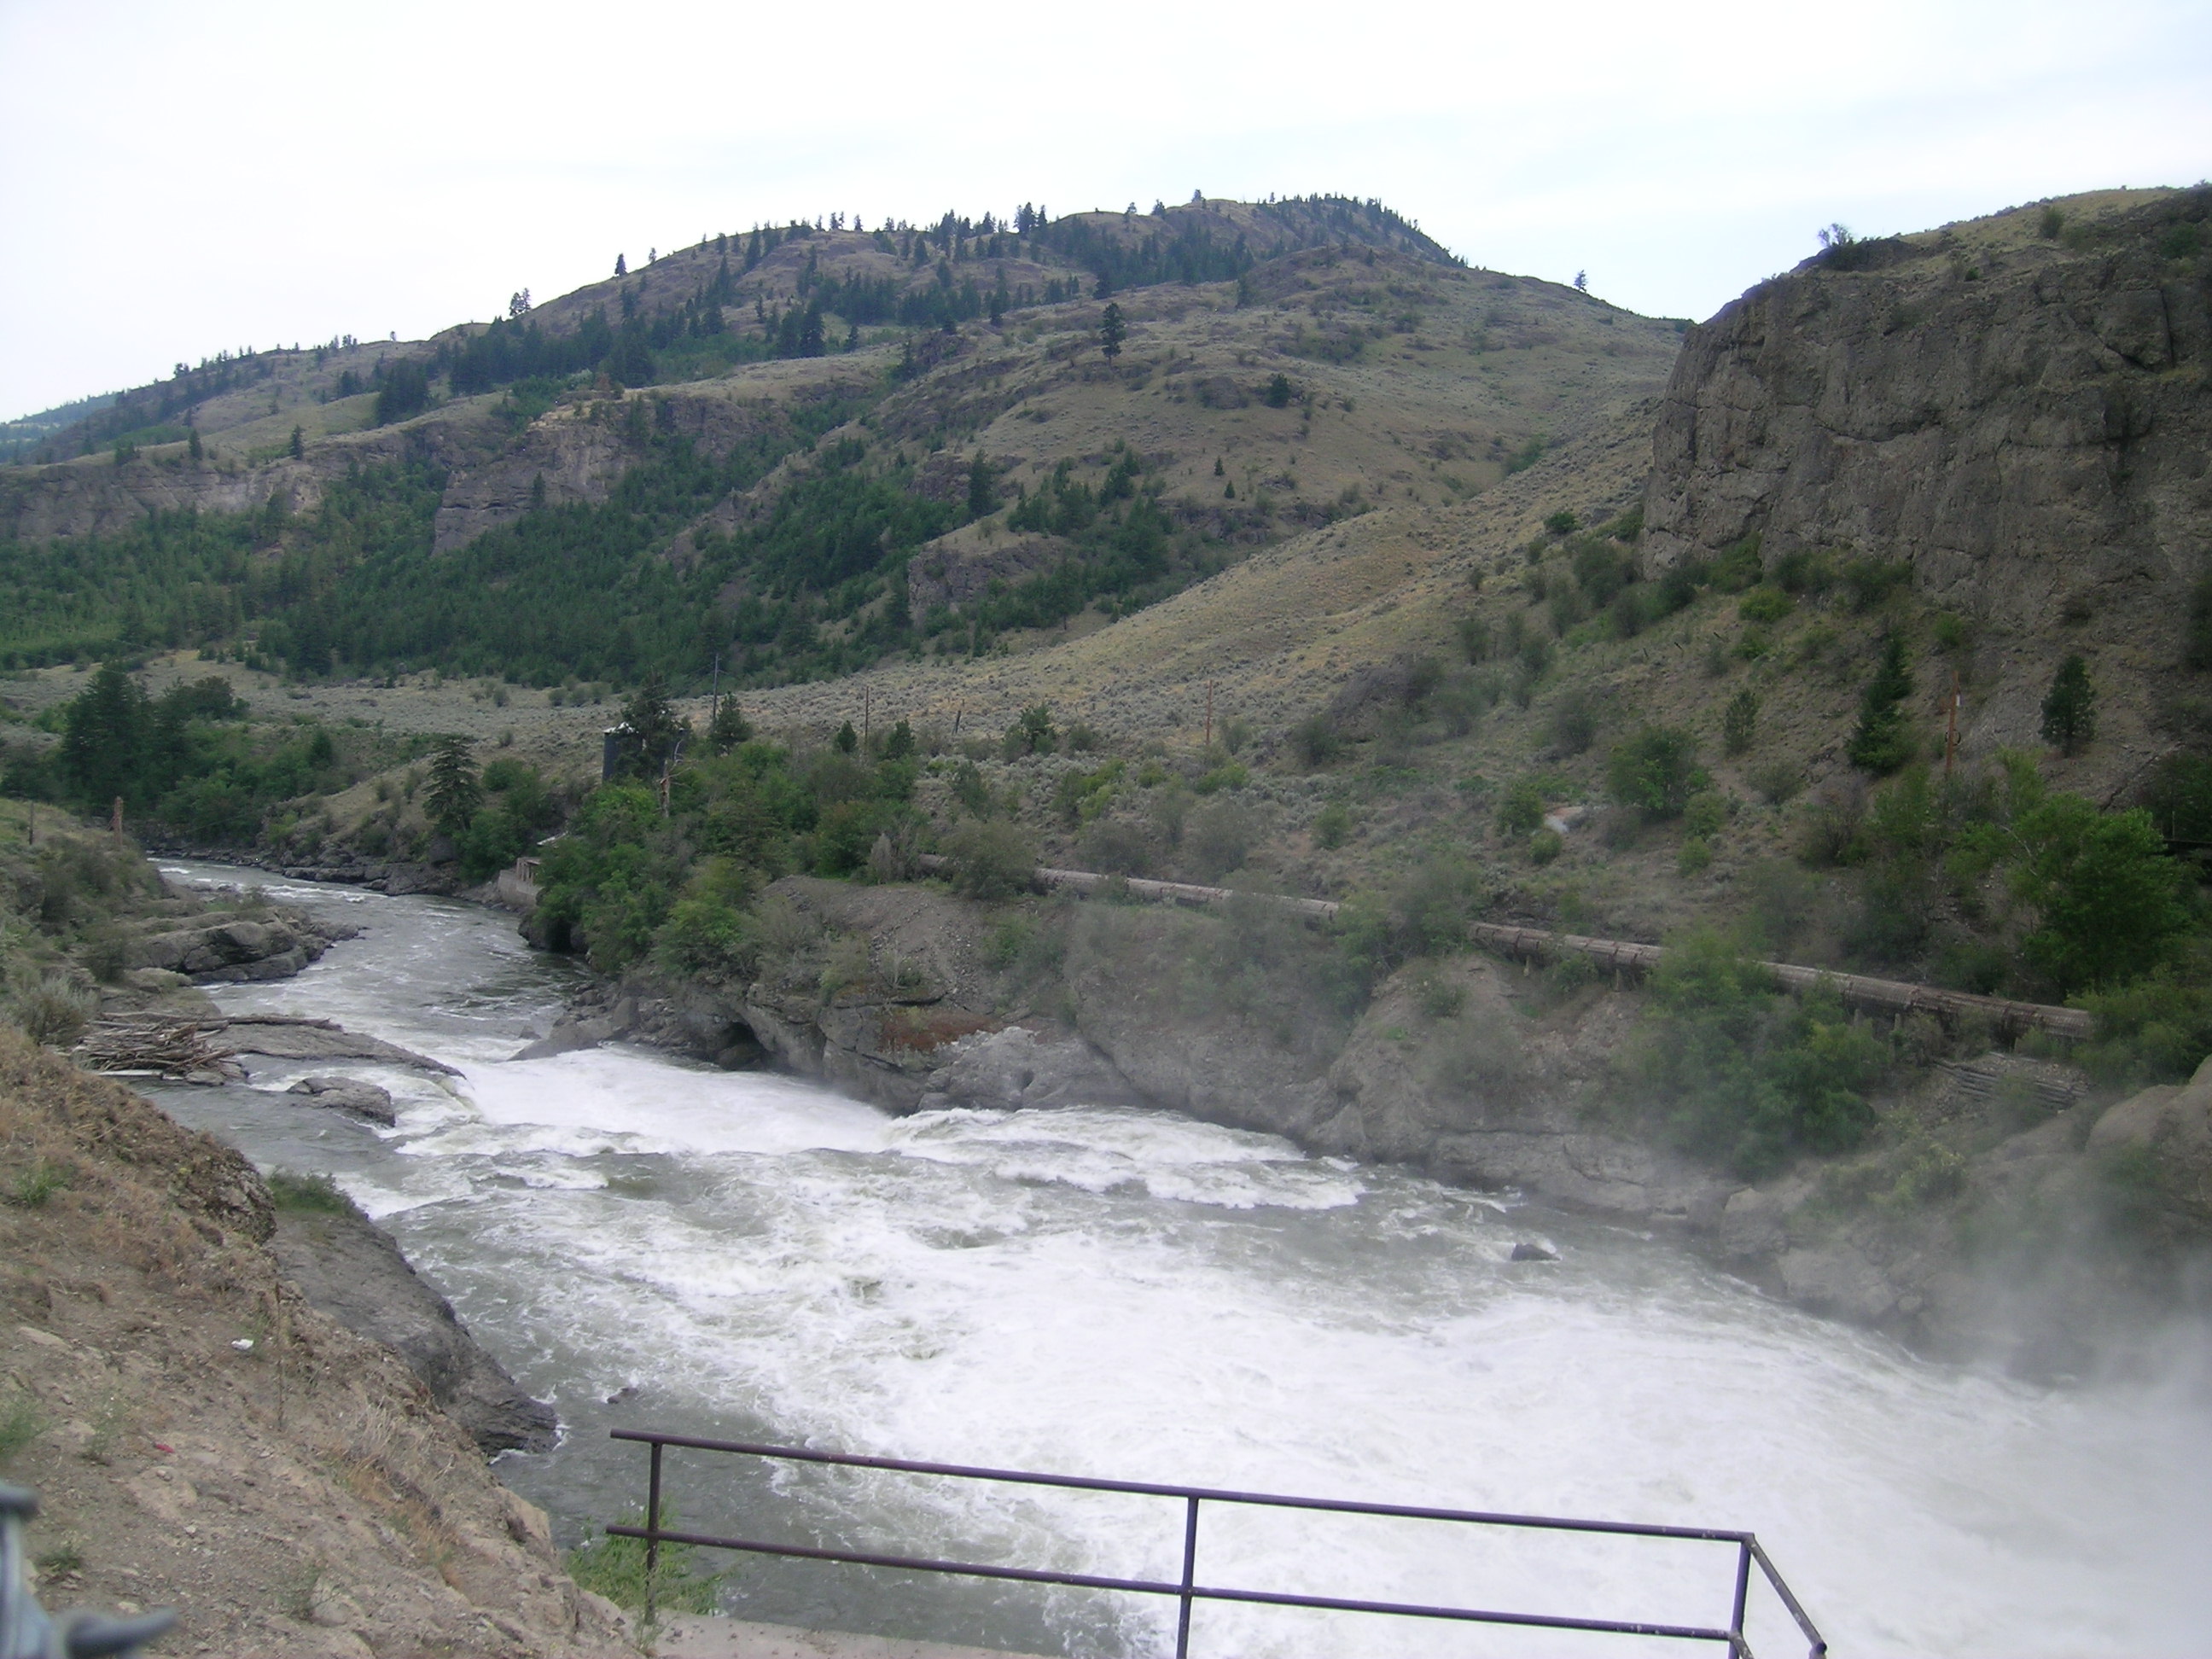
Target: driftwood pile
157, 1045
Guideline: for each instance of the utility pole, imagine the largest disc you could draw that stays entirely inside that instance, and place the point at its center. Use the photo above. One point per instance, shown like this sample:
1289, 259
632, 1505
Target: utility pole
867, 708
1951, 737
714, 709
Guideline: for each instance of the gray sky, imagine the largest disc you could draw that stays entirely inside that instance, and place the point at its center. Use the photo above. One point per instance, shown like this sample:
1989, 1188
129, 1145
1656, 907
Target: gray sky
186, 178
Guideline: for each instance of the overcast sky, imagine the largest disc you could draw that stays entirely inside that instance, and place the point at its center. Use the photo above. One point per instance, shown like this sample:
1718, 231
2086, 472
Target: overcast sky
179, 178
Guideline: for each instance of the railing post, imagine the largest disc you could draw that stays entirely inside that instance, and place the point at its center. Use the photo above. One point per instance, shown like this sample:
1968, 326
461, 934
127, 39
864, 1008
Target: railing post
1738, 1648
653, 1532
1189, 1577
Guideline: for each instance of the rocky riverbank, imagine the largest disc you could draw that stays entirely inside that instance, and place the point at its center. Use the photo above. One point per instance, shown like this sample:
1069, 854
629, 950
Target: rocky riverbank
2011, 1211
202, 1435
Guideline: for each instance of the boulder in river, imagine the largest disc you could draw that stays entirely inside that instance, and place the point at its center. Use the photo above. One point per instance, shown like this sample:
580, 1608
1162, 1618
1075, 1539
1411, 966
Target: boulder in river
349, 1094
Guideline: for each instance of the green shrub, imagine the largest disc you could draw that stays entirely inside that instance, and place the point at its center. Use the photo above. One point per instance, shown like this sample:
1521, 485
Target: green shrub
990, 861
1316, 741
615, 1567
306, 1193
22, 1420
1738, 721
1737, 566
1437, 997
706, 937
1869, 581
1830, 832
1695, 858
1764, 604
37, 1183
2110, 904
1333, 826
1522, 812
2070, 712
1655, 772
51, 1011
1546, 845
1746, 1075
1032, 734
1118, 847
2157, 1029
1474, 638
1778, 781
1706, 811
1230, 775
1805, 571
1574, 720
1219, 839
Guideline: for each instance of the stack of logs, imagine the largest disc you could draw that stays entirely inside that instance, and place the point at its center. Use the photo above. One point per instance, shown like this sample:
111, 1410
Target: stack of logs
157, 1045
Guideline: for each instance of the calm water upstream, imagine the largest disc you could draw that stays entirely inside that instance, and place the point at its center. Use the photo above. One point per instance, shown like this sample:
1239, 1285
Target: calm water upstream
1125, 1293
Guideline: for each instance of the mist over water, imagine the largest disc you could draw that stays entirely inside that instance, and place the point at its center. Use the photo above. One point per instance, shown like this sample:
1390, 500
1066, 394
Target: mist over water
1129, 1294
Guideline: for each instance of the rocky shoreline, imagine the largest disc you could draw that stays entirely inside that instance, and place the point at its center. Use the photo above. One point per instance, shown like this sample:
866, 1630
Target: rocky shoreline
1906, 1251
340, 1262
2008, 1253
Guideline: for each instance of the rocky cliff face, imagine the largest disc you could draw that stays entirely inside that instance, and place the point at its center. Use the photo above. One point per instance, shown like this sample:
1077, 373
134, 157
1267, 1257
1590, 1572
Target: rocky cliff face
2019, 416
579, 451
1983, 403
96, 497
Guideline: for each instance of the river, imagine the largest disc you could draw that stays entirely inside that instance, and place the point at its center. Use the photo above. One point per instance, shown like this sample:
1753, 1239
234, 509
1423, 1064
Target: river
1135, 1295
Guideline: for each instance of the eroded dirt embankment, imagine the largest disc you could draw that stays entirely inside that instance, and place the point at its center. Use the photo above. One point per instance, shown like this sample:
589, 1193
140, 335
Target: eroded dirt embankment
2006, 1209
203, 1437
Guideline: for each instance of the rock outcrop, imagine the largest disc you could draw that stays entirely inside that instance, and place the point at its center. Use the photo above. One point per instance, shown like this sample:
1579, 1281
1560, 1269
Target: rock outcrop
955, 570
2160, 1140
346, 1094
239, 949
2018, 419
349, 1267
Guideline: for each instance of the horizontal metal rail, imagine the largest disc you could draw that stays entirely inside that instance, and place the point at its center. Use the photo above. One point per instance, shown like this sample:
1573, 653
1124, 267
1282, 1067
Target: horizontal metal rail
1189, 1590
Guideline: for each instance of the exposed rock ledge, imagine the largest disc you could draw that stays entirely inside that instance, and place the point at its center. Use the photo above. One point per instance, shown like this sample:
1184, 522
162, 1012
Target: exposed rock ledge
351, 1268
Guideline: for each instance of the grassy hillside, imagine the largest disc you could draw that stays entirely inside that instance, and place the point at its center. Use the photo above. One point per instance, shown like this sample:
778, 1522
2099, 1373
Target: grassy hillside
969, 477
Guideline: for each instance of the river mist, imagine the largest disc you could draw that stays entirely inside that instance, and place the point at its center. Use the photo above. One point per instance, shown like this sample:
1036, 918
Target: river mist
1131, 1294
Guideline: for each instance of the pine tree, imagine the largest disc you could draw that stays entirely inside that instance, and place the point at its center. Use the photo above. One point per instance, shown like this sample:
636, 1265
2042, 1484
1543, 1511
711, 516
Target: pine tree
846, 740
982, 497
1112, 331
2069, 713
104, 738
456, 790
1884, 741
1739, 721
654, 728
730, 730
621, 266
298, 443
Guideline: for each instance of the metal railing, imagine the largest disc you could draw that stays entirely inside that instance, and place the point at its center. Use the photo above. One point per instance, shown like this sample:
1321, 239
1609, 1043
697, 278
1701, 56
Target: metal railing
1188, 1591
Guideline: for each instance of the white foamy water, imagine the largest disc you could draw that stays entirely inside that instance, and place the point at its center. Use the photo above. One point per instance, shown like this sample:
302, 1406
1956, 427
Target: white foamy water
1121, 1293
